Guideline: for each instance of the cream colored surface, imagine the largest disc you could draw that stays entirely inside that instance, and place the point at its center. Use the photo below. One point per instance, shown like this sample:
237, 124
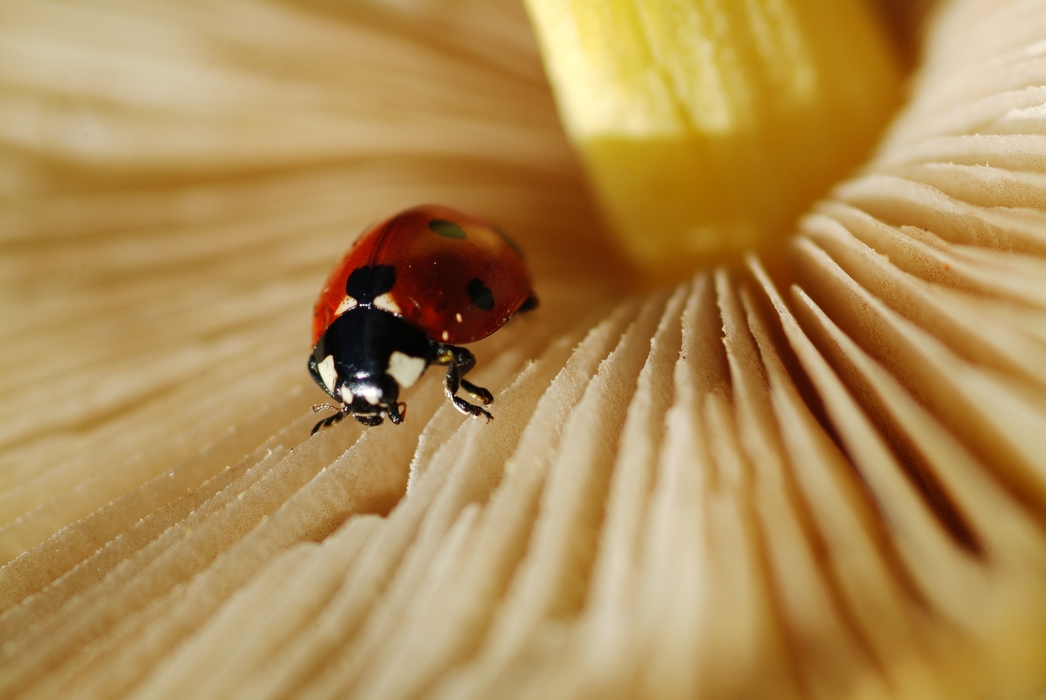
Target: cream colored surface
819, 475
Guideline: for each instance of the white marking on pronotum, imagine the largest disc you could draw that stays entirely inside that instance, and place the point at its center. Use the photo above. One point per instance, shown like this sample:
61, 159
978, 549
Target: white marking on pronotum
405, 369
457, 317
346, 304
446, 336
328, 374
384, 301
372, 394
346, 394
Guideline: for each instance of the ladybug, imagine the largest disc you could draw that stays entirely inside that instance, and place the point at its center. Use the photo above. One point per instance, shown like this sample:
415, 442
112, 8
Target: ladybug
405, 296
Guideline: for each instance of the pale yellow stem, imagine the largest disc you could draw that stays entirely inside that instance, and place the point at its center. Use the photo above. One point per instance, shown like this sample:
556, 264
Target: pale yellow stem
708, 126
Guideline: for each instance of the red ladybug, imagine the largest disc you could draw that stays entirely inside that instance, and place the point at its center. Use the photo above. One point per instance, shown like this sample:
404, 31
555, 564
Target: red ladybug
405, 295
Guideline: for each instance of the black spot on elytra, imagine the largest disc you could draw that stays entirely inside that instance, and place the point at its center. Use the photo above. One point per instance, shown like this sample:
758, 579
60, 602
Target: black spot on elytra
447, 229
369, 282
480, 294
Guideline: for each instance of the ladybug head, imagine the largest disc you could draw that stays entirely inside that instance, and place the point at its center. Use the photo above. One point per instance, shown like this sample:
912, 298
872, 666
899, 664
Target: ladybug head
363, 359
370, 397
367, 397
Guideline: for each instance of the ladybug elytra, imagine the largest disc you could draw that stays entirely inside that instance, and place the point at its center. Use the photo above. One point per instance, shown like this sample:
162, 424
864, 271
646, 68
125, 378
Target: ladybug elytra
407, 293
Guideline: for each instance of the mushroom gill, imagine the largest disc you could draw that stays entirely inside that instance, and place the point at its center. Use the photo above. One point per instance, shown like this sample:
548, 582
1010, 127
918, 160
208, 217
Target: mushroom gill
813, 475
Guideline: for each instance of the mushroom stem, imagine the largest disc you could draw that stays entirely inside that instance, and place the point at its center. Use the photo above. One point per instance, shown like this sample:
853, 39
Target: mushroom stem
708, 127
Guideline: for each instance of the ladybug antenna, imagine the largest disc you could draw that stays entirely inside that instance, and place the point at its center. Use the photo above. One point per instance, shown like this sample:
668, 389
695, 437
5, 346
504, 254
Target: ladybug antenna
342, 411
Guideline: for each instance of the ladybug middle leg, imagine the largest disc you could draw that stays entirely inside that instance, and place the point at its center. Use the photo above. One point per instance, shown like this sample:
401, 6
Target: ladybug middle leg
460, 361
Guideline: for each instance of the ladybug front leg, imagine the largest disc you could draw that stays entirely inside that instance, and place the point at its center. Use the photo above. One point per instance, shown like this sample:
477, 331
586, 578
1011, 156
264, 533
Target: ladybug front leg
460, 361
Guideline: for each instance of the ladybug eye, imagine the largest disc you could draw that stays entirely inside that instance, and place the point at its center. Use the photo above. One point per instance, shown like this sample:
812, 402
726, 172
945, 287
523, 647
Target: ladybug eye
480, 294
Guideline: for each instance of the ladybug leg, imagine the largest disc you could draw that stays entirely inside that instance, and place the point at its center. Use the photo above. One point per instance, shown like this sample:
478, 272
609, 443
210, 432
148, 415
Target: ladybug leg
397, 412
529, 304
465, 361
479, 392
460, 361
